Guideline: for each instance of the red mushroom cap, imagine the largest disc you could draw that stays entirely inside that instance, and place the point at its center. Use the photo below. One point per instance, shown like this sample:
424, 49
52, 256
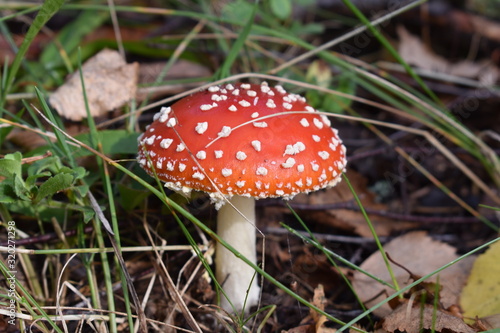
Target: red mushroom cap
238, 140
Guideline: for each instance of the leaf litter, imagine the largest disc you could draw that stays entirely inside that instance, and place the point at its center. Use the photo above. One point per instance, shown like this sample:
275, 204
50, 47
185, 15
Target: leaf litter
414, 255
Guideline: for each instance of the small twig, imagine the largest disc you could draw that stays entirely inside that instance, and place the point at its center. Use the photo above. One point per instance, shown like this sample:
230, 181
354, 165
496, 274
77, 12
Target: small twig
46, 237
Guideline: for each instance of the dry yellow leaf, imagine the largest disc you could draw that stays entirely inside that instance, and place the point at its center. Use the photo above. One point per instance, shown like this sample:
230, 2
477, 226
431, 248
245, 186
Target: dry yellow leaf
481, 296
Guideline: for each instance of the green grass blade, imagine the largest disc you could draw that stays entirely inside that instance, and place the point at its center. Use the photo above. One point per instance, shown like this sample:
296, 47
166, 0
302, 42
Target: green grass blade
60, 138
225, 69
19, 13
374, 233
96, 144
48, 9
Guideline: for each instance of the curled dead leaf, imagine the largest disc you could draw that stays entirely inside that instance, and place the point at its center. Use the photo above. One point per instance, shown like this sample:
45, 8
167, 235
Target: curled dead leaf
109, 83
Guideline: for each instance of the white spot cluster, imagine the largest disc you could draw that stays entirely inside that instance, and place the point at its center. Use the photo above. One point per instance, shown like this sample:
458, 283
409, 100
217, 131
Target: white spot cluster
225, 131
270, 104
309, 156
244, 103
180, 147
171, 122
201, 155
165, 143
162, 116
261, 171
256, 145
290, 162
261, 124
294, 149
201, 127
241, 156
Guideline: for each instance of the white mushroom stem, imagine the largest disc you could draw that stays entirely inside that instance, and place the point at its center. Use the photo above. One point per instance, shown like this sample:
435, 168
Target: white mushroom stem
237, 227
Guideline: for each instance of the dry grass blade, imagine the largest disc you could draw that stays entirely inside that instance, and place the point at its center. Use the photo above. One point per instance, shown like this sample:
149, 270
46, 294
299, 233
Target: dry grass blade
486, 150
172, 288
91, 315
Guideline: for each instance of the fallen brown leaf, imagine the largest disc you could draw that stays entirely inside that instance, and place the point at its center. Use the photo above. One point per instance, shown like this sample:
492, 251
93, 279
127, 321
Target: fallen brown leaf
318, 301
314, 322
411, 318
109, 83
419, 254
416, 53
488, 323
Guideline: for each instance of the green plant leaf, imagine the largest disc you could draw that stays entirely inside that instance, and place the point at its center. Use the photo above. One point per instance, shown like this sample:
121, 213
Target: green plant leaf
50, 164
21, 189
77, 173
88, 214
237, 10
82, 190
10, 165
7, 193
225, 70
47, 10
30, 180
282, 9
495, 330
53, 185
113, 142
130, 198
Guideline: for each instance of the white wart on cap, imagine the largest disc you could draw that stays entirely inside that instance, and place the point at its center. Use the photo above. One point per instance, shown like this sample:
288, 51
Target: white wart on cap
279, 156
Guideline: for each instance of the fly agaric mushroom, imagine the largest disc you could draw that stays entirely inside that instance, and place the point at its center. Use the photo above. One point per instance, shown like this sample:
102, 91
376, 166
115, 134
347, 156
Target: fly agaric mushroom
238, 143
